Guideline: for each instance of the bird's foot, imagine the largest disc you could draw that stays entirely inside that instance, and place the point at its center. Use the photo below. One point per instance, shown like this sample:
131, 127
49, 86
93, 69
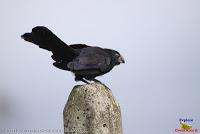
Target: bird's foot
86, 82
81, 79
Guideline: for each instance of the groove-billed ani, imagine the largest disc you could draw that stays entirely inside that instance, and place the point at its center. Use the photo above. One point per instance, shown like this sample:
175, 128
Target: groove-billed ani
86, 62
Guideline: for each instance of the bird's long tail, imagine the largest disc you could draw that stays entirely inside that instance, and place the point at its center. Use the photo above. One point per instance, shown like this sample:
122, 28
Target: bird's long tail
46, 39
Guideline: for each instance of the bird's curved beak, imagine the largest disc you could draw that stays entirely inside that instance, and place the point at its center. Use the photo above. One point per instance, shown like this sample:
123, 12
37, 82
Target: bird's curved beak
121, 59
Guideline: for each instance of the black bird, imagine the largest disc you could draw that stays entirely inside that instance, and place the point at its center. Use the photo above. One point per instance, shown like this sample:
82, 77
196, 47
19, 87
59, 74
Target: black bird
86, 62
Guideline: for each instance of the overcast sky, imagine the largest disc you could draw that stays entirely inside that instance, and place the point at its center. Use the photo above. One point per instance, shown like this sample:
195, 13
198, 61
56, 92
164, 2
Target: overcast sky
159, 39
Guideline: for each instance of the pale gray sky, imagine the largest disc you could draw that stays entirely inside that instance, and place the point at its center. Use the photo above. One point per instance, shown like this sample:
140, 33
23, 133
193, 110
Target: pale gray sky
160, 40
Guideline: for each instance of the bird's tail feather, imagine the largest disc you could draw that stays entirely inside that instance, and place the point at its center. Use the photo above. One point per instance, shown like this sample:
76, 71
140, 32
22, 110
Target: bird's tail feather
46, 39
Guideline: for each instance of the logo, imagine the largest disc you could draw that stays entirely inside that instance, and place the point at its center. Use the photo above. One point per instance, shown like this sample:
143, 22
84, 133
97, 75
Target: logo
185, 126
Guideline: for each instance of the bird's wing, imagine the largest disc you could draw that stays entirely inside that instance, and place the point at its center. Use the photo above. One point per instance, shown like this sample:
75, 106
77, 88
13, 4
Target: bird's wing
61, 63
90, 58
63, 57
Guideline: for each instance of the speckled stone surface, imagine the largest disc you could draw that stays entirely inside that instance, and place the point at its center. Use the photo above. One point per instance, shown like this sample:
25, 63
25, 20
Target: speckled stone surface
92, 109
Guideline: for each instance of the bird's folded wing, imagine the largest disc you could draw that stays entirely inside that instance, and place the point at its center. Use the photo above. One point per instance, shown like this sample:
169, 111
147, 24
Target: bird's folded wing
92, 60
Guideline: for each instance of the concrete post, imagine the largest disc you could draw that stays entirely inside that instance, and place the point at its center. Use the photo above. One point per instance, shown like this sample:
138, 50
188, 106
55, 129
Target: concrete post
92, 109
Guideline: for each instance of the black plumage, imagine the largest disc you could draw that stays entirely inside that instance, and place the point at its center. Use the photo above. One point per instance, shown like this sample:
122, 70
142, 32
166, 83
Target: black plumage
86, 62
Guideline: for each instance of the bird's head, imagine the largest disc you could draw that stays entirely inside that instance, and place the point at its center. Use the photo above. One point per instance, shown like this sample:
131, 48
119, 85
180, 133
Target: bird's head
117, 58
